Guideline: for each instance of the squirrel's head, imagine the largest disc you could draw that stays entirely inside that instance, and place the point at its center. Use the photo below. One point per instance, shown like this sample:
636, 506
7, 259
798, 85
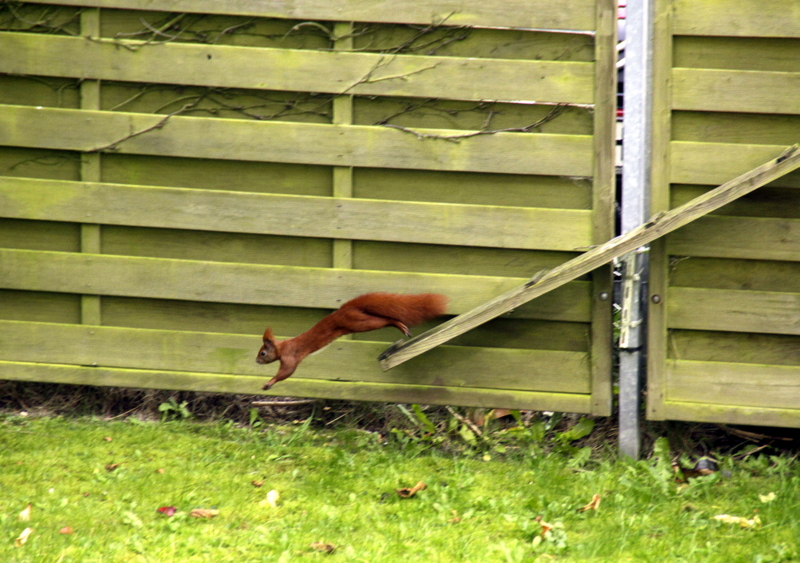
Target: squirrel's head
269, 351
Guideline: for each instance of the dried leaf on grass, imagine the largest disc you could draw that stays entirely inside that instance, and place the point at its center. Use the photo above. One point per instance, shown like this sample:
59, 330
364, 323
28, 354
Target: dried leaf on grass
769, 497
322, 546
748, 523
23, 537
204, 512
111, 466
257, 484
545, 526
410, 492
594, 504
25, 515
66, 530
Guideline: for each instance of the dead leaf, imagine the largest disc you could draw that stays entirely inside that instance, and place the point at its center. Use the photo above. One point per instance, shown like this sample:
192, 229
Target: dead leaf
108, 438
408, 493
594, 504
749, 523
111, 466
25, 515
66, 530
322, 546
545, 526
204, 512
769, 497
455, 519
167, 510
257, 484
160, 470
23, 537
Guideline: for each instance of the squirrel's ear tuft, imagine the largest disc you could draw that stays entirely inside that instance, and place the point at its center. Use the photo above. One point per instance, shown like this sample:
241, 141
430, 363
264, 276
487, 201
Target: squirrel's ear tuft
268, 336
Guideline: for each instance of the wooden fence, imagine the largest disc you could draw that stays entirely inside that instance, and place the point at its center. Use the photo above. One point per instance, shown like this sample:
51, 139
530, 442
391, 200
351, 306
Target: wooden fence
174, 181
724, 341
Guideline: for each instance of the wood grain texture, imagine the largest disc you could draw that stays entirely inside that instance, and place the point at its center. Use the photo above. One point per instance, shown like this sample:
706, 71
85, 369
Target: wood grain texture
295, 70
755, 238
257, 284
337, 217
303, 143
354, 361
732, 384
654, 229
728, 414
736, 91
739, 18
295, 387
715, 163
576, 15
766, 312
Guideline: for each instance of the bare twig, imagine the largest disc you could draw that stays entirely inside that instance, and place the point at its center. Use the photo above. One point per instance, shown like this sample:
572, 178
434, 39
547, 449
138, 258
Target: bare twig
464, 420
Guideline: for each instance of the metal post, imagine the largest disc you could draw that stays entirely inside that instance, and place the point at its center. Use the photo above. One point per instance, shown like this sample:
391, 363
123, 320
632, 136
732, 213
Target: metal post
636, 149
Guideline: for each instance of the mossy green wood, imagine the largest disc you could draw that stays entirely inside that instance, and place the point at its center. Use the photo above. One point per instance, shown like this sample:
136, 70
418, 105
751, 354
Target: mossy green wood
223, 282
541, 14
729, 273
740, 18
715, 163
40, 306
736, 90
730, 414
734, 347
738, 53
756, 238
768, 202
723, 383
345, 360
295, 386
218, 174
342, 218
732, 310
332, 72
39, 235
306, 143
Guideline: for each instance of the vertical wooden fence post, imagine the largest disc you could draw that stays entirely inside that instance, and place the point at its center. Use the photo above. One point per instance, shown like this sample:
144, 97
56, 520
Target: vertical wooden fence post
90, 171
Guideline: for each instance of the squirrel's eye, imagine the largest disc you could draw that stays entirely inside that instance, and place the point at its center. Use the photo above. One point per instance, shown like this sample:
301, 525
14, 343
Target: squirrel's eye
263, 352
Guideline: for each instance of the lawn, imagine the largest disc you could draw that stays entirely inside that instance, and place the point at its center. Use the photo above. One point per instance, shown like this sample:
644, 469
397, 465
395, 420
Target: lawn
94, 488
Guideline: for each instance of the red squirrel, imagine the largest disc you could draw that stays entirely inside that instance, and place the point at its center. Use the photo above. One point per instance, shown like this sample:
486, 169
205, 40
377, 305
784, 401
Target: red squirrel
370, 311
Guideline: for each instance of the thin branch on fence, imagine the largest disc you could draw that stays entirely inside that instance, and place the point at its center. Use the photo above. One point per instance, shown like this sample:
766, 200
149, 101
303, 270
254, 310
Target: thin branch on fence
555, 112
115, 145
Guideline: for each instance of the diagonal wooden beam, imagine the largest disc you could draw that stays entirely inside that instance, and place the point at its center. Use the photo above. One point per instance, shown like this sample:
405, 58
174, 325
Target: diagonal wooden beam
656, 227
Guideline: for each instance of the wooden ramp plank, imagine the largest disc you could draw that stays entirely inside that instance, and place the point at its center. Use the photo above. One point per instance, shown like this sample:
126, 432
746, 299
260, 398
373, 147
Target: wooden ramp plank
655, 228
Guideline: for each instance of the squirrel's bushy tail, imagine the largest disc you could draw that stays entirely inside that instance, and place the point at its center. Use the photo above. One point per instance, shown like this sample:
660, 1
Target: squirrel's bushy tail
410, 309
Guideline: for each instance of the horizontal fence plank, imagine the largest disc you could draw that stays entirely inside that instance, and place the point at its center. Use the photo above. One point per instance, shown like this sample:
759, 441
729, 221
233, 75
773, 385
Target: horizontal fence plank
723, 383
302, 216
735, 91
725, 414
303, 143
344, 360
743, 18
733, 310
755, 238
716, 163
190, 280
750, 348
298, 70
295, 387
542, 14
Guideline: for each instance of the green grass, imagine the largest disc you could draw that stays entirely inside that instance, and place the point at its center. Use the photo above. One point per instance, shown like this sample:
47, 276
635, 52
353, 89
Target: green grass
339, 487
